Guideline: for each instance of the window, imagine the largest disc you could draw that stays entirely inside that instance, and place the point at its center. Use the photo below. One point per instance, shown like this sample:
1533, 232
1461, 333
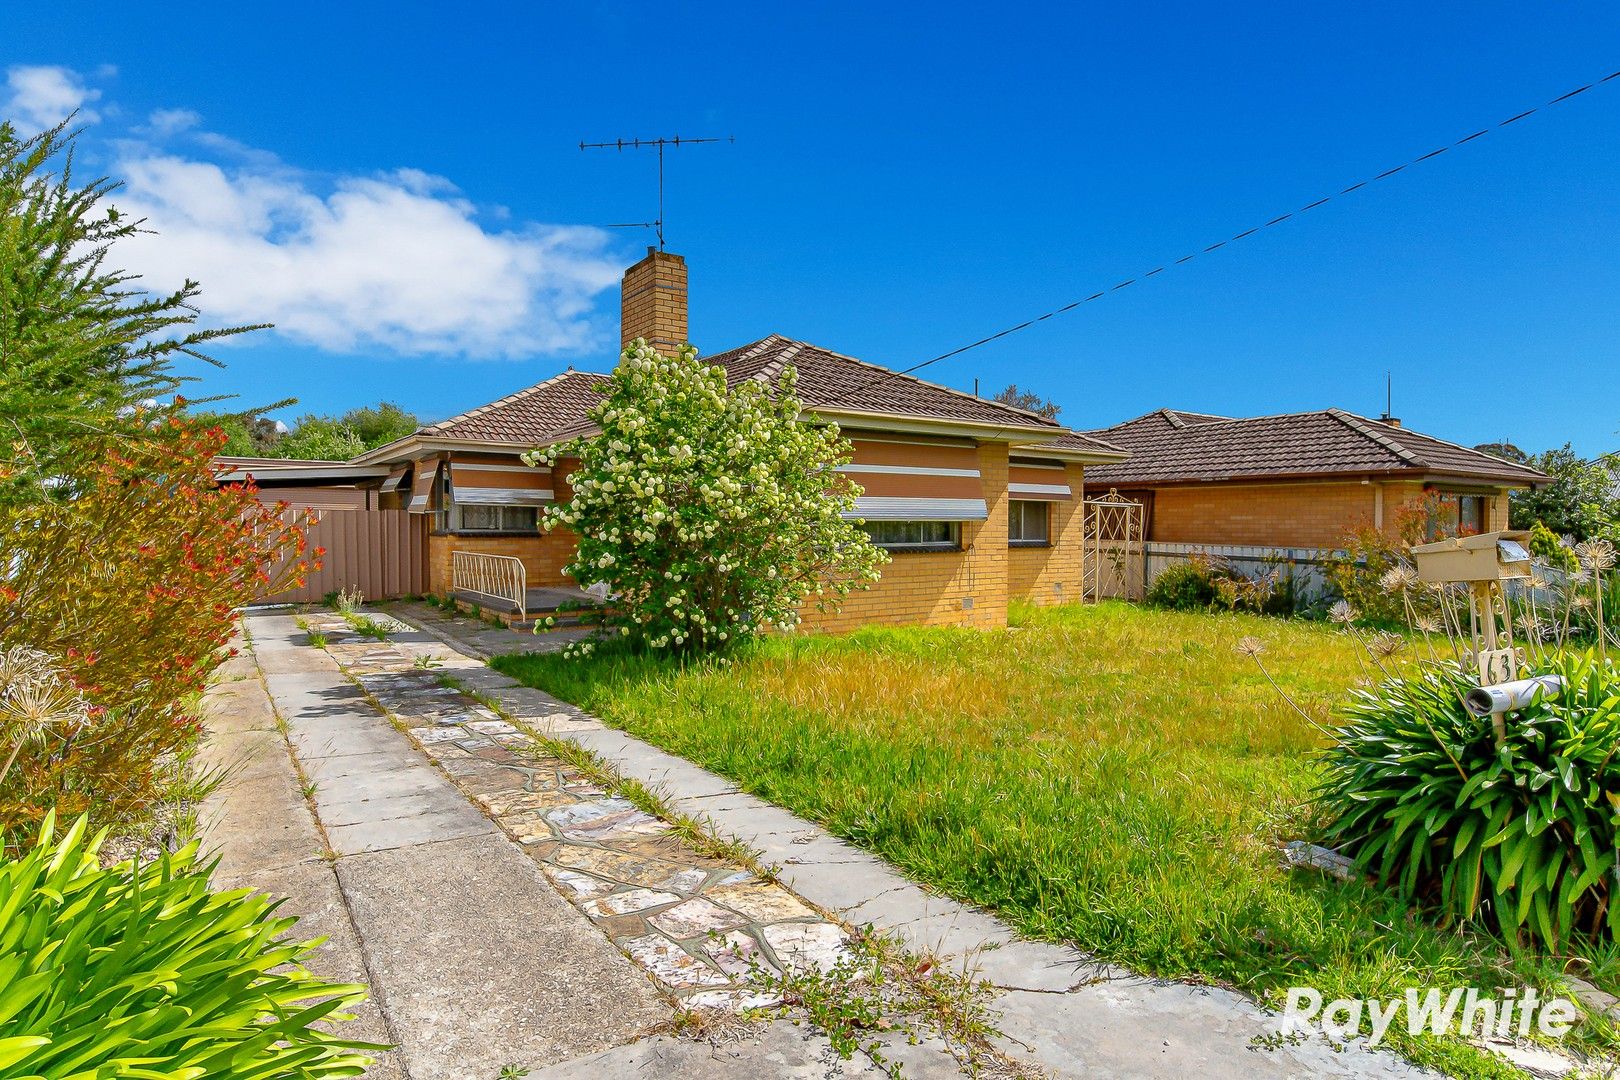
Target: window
476, 517
915, 535
1454, 514
1027, 523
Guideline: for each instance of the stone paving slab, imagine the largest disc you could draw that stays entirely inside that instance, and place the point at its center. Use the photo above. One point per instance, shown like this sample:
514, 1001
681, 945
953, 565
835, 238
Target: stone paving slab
705, 930
265, 838
1144, 1028
482, 964
780, 1050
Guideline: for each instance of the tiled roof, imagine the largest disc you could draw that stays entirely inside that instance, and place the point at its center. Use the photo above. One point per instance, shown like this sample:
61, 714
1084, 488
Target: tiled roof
557, 408
1168, 446
838, 383
534, 415
1076, 440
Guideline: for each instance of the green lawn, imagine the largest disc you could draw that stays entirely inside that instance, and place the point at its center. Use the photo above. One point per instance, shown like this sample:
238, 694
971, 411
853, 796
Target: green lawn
1110, 776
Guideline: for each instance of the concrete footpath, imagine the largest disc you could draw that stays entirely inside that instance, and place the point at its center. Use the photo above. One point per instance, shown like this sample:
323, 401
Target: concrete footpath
478, 967
1062, 1012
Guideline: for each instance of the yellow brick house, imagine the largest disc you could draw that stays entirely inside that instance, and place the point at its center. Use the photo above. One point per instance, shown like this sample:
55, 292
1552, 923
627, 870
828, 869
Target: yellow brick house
978, 502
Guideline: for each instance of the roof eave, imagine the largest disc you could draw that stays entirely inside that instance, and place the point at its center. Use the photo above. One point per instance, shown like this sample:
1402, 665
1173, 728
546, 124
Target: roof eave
412, 447
1078, 455
240, 473
1418, 475
924, 425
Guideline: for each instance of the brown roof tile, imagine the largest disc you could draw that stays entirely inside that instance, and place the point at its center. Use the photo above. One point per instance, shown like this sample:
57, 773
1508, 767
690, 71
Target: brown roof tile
534, 415
838, 383
1168, 446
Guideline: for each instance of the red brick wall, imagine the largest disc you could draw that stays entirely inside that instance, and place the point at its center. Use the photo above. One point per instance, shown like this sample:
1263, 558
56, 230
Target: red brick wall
1285, 514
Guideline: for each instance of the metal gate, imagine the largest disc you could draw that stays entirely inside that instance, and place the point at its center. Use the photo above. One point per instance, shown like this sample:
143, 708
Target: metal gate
1114, 556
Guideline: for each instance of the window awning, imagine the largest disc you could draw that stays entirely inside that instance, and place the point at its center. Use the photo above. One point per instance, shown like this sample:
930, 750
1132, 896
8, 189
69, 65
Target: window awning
916, 480
496, 481
424, 493
396, 478
1038, 481
894, 508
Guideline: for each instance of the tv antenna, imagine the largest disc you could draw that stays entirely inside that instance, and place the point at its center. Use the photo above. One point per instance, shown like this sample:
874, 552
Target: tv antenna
660, 144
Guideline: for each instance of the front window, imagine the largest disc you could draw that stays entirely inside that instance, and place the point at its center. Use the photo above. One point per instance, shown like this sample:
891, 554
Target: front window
1455, 514
1027, 523
915, 535
476, 517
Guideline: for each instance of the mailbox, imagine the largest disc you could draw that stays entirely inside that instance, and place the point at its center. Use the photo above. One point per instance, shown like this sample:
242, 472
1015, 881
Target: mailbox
1492, 556
1482, 563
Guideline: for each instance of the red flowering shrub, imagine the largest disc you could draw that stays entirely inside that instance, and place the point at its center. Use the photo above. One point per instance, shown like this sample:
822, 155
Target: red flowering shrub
129, 580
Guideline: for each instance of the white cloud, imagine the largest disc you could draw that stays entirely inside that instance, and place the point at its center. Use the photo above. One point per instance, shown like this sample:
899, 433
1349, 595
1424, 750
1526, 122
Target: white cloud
396, 262
43, 95
165, 122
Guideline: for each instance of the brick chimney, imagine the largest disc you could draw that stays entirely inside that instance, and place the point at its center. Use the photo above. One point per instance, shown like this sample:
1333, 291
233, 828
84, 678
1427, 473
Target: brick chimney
652, 302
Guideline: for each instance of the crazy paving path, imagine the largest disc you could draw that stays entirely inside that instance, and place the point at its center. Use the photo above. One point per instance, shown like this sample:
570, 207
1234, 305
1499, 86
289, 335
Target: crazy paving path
504, 909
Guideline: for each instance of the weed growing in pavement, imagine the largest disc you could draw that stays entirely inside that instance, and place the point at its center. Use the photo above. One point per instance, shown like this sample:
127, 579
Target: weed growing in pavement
316, 639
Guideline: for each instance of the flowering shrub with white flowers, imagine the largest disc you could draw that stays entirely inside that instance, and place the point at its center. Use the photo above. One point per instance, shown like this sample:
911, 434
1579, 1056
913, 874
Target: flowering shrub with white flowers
711, 513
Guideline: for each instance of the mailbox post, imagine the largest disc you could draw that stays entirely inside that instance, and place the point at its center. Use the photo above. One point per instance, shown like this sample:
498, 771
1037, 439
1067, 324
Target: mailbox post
1483, 562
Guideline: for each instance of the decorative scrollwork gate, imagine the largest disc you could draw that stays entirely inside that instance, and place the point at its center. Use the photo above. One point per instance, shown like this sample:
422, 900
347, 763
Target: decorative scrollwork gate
1115, 565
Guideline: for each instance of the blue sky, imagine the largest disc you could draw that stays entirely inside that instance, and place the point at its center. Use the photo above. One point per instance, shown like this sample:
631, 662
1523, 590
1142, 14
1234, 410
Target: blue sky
398, 187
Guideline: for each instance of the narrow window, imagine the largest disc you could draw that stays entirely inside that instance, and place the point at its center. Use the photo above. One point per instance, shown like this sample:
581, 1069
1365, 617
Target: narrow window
1028, 523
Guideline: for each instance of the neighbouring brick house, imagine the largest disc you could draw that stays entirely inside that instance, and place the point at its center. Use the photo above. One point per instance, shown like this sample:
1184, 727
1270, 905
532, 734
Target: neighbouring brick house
978, 502
1297, 481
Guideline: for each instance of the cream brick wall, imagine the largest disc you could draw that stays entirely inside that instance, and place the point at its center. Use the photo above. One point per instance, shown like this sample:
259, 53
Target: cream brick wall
1051, 575
957, 588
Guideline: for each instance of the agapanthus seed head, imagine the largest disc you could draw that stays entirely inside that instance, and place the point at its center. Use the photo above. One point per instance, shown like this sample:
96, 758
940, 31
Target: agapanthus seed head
1426, 624
1595, 555
1385, 644
1250, 646
1398, 578
1342, 613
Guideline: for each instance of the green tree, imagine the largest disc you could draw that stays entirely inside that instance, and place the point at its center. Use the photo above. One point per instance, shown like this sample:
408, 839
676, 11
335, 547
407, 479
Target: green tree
1028, 401
319, 438
713, 513
376, 426
1581, 502
85, 353
1504, 450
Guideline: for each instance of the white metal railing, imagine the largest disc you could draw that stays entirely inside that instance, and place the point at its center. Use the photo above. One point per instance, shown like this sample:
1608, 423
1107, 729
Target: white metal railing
499, 577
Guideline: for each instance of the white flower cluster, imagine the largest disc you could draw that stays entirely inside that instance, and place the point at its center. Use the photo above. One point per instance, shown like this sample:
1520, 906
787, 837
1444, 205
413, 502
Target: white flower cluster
712, 512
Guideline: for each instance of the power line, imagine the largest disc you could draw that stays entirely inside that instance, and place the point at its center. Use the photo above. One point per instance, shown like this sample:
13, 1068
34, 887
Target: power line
1278, 220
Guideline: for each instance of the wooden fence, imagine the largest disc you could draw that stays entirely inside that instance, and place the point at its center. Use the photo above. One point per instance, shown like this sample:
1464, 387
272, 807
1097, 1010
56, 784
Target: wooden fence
383, 553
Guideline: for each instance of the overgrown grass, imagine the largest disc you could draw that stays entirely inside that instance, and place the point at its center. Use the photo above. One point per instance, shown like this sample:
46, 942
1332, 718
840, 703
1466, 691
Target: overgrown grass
1109, 776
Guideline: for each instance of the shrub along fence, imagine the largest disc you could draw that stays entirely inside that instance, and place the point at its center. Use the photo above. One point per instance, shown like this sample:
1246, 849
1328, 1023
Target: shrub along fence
1304, 564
